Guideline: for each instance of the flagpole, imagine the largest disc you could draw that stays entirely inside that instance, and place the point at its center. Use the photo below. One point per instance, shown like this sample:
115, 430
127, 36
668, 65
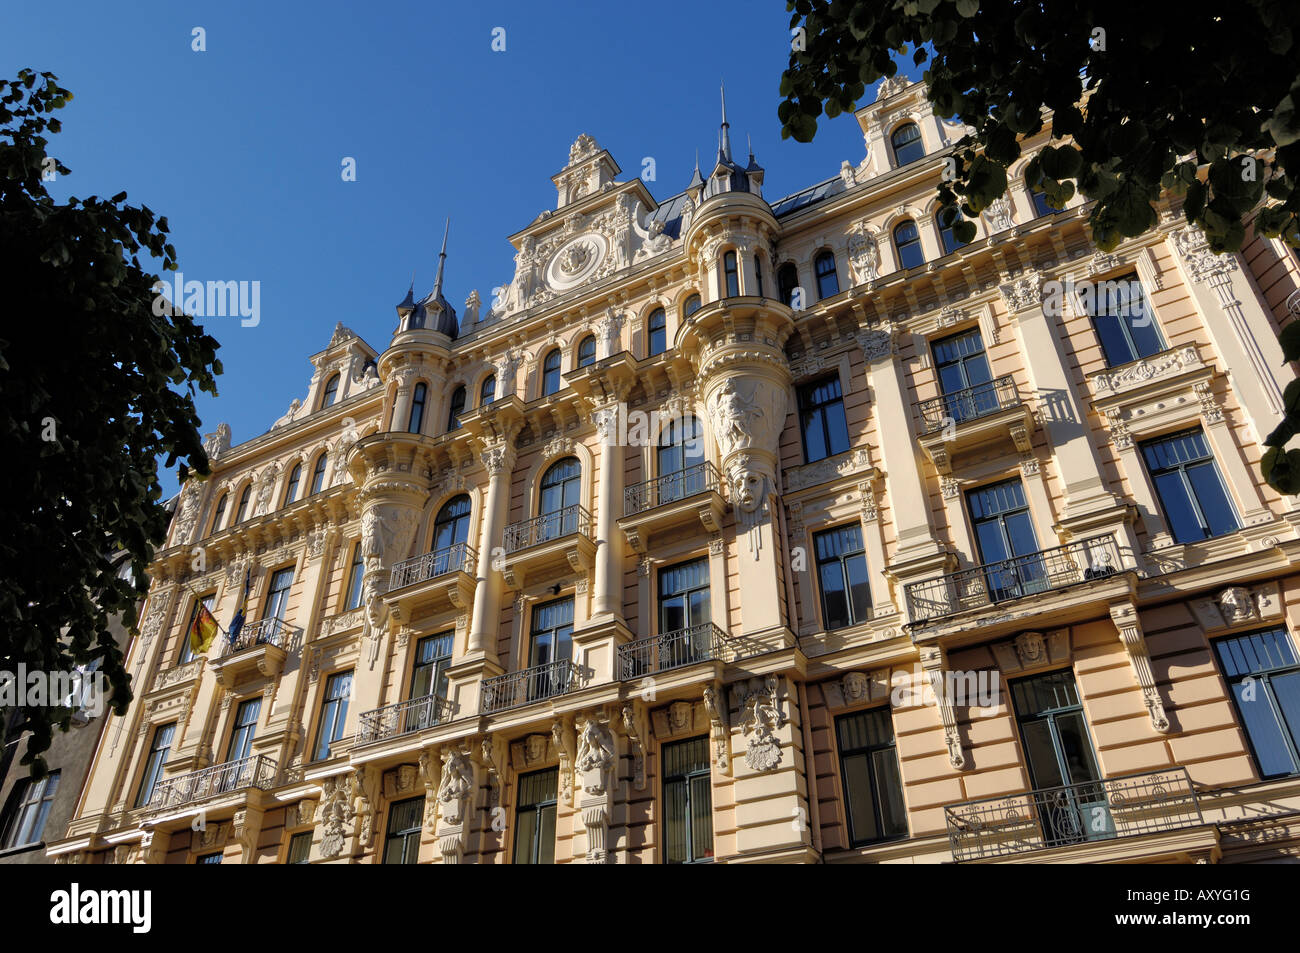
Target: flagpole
214, 615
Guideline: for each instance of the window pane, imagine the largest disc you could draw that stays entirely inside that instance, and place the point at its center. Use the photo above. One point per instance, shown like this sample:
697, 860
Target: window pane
1213, 498
889, 792
859, 587
1177, 504
1287, 690
1114, 344
546, 835
525, 836
859, 799
701, 817
835, 604
1265, 730
299, 848
675, 822
1077, 748
1044, 768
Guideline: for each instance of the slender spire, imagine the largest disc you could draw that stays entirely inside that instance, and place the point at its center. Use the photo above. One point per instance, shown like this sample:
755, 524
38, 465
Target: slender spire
407, 304
442, 258
724, 147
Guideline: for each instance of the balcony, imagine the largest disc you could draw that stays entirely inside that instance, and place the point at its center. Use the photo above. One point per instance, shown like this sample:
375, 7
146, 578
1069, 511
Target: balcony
257, 771
547, 545
974, 418
404, 718
1048, 570
671, 650
1075, 814
529, 685
435, 582
260, 647
672, 501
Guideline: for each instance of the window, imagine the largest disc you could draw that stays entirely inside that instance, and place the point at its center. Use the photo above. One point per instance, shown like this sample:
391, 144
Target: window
907, 239
487, 392
1070, 804
318, 473
243, 503
873, 788
684, 596
1123, 321
758, 275
355, 575
186, 653
331, 392
1192, 493
681, 460
1264, 675
334, 713
787, 279
551, 373
277, 597
29, 806
457, 408
691, 305
828, 284
965, 378
561, 488
1005, 538
731, 275
291, 488
429, 674
535, 817
688, 802
158, 752
1039, 198
946, 235
551, 641
415, 421
299, 848
208, 858
657, 340
451, 526
220, 512
587, 351
245, 727
821, 419
907, 144
842, 575
405, 822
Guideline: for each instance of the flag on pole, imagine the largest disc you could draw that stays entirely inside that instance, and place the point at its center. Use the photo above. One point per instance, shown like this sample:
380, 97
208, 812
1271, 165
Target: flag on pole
202, 630
237, 622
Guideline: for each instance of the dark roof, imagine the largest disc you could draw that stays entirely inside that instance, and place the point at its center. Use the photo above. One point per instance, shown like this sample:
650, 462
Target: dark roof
670, 213
809, 196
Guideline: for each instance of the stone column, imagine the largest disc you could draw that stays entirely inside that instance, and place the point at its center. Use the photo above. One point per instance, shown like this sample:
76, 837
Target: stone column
499, 461
608, 598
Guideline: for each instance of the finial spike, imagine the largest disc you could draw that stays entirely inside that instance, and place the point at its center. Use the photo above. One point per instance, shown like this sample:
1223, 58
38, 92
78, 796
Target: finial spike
442, 257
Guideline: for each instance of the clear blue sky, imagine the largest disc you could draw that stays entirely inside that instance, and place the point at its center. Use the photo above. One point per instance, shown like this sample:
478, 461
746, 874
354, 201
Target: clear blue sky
241, 146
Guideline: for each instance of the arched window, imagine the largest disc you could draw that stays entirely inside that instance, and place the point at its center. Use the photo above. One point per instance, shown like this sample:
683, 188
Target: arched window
551, 372
758, 275
331, 392
219, 513
418, 397
451, 527
291, 488
908, 242
658, 334
828, 283
731, 274
318, 473
558, 503
787, 279
243, 503
680, 458
907, 144
587, 351
1040, 201
691, 306
487, 391
457, 408
950, 241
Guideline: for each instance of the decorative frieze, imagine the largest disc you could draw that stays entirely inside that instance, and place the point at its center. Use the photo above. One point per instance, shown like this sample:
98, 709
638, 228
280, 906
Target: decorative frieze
1238, 606
1139, 373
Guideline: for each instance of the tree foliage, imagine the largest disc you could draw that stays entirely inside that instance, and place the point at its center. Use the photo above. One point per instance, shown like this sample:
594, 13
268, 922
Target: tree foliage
1197, 98
94, 389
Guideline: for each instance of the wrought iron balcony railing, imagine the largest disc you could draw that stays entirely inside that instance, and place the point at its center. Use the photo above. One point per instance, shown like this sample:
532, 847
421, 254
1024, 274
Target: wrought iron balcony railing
255, 771
458, 558
669, 488
968, 404
1015, 578
659, 653
271, 631
1073, 814
528, 685
412, 715
542, 529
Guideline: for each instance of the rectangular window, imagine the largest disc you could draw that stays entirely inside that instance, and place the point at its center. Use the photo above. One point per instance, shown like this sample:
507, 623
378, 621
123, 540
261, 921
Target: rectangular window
1264, 675
821, 419
29, 807
842, 574
299, 848
355, 574
1192, 493
158, 752
552, 641
405, 821
535, 817
688, 802
187, 651
873, 787
241, 735
334, 713
1123, 321
277, 596
429, 675
1007, 543
965, 376
685, 637
208, 859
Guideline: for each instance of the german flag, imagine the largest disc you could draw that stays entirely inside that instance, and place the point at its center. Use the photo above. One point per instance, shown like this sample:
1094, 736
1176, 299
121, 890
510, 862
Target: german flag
203, 630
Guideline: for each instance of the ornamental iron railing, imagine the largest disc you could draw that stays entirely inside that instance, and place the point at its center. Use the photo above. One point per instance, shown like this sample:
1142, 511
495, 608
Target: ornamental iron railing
669, 488
660, 653
528, 685
255, 771
412, 715
459, 557
549, 526
970, 403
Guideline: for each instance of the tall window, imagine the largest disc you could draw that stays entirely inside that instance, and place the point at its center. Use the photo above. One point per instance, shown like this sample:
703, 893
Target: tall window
355, 574
1123, 321
551, 372
220, 512
299, 848
828, 283
456, 409
561, 489
945, 221
842, 574
657, 341
688, 802
1192, 493
758, 274
680, 458
965, 377
318, 472
243, 503
415, 421
291, 488
334, 713
405, 822
245, 727
429, 674
873, 788
907, 144
331, 392
551, 641
487, 391
1004, 535
691, 305
535, 817
787, 279
187, 650
731, 274
907, 239
1264, 674
821, 419
684, 596
277, 596
451, 526
587, 351
1041, 207
29, 806
159, 749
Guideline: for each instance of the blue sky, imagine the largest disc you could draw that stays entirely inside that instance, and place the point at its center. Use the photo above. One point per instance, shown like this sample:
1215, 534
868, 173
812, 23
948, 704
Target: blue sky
241, 145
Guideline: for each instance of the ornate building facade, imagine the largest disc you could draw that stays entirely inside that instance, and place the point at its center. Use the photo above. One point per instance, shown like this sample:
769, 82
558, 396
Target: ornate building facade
734, 530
